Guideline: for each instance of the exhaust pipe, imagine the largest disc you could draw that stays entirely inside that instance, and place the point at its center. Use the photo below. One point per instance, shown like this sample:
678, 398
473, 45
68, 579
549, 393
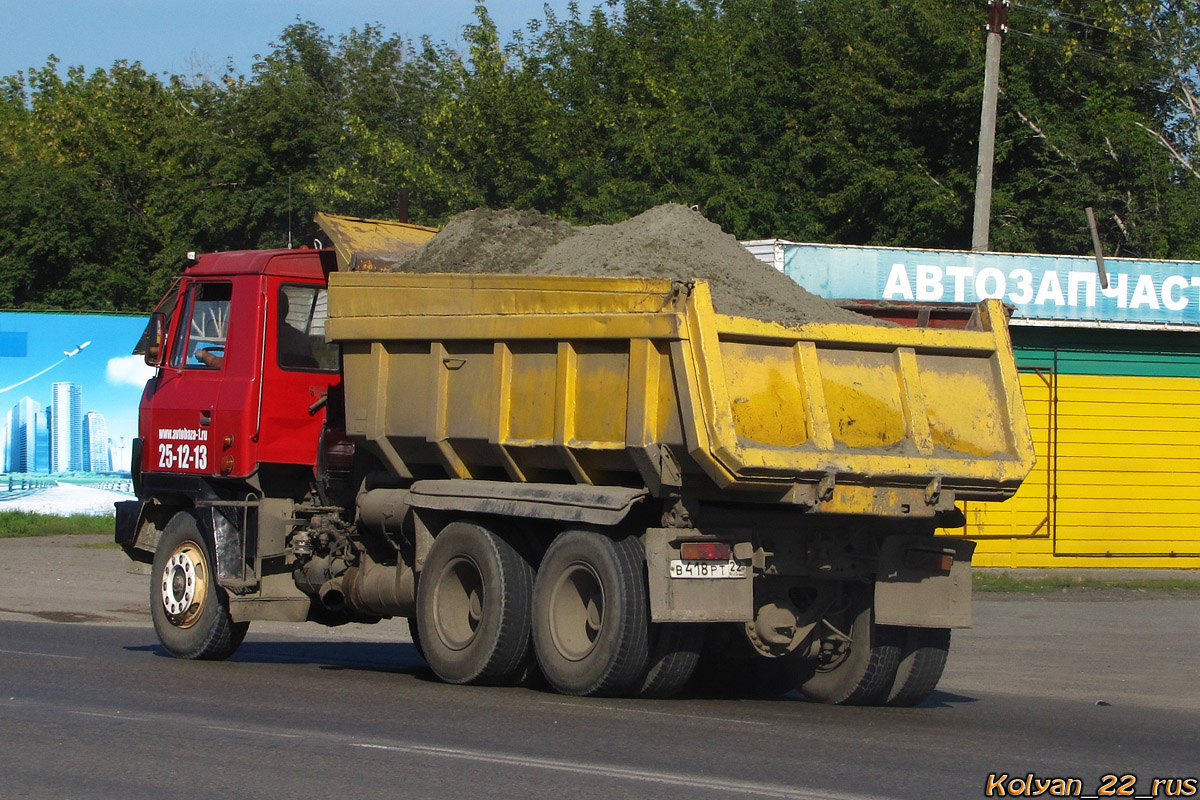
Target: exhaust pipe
382, 591
332, 596
373, 590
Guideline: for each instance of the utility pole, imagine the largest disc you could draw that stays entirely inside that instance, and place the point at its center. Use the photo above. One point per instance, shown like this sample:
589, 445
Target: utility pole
997, 27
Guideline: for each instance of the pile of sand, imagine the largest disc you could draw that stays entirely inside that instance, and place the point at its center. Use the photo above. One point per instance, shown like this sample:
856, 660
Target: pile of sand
668, 241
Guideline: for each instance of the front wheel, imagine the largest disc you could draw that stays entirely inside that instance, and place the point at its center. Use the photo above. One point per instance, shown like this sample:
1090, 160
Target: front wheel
190, 611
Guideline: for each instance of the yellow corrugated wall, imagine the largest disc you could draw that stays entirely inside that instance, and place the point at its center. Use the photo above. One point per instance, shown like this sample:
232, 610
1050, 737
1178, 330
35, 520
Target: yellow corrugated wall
1117, 482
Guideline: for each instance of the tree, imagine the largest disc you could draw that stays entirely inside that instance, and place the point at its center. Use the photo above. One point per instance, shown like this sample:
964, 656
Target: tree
848, 121
75, 187
1080, 92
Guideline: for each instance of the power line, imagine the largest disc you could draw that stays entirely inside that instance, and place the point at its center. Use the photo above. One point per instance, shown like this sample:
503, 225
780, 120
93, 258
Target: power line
1084, 51
1087, 22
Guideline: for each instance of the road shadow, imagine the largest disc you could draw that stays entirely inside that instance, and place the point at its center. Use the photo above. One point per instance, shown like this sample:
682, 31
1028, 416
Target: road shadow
402, 658
62, 616
751, 691
390, 657
940, 699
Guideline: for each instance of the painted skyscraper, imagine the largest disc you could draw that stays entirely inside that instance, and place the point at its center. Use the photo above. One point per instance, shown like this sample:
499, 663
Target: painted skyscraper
66, 427
95, 443
22, 435
5, 450
41, 461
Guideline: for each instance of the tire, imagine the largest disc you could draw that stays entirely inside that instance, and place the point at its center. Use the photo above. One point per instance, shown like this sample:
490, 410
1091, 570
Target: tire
190, 610
921, 663
860, 672
473, 607
414, 633
674, 653
591, 615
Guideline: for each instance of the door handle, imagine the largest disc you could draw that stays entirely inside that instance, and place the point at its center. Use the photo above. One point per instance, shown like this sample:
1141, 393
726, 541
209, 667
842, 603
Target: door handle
205, 418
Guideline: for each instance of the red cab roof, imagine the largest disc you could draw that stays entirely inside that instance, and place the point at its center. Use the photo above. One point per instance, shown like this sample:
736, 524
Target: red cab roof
299, 263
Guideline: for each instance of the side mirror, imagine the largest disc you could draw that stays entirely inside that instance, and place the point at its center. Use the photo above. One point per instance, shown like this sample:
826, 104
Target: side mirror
154, 338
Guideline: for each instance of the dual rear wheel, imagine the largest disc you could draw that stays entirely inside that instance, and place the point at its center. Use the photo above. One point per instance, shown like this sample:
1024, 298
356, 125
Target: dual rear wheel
473, 604
864, 663
491, 612
485, 616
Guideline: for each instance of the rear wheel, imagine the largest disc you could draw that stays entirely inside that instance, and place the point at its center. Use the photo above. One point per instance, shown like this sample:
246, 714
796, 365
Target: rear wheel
473, 602
590, 614
858, 659
190, 611
674, 653
414, 633
921, 663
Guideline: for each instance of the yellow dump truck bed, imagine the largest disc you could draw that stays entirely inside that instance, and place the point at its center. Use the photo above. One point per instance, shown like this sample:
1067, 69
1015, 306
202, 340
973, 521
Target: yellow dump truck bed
631, 382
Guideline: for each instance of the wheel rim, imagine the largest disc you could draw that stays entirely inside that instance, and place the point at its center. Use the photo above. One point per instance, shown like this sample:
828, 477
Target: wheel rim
835, 644
833, 654
185, 585
576, 611
458, 603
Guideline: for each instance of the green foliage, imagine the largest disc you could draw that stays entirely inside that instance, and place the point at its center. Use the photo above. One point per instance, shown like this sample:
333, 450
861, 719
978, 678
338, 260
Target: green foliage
1063, 582
1080, 101
14, 524
850, 121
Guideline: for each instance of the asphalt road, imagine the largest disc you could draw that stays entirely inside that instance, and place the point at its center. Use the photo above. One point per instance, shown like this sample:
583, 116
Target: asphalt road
94, 708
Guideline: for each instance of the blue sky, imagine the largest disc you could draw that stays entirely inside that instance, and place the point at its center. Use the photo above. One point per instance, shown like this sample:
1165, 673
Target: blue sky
197, 37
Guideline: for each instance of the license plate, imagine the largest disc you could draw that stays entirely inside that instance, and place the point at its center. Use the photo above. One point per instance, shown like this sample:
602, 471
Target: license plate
707, 569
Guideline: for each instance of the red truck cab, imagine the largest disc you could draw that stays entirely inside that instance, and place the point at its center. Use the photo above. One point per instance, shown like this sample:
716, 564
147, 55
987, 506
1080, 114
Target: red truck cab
243, 371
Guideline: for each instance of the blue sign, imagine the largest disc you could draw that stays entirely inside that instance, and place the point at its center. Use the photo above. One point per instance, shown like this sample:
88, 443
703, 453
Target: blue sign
1042, 287
69, 391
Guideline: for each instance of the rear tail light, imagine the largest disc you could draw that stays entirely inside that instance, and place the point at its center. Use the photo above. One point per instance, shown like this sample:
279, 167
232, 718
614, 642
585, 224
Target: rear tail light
929, 560
704, 551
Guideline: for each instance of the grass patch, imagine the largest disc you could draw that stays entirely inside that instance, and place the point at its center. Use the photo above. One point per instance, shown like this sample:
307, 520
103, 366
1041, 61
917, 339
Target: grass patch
1016, 584
14, 524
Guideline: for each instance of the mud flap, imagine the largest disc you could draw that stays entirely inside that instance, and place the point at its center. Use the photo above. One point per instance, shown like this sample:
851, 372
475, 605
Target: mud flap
230, 527
136, 529
924, 582
125, 529
692, 600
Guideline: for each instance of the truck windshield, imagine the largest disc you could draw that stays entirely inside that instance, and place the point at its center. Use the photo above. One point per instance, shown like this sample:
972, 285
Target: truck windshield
201, 342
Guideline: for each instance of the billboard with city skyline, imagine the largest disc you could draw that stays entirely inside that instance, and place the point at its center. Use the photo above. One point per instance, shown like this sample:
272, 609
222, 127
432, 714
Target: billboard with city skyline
81, 364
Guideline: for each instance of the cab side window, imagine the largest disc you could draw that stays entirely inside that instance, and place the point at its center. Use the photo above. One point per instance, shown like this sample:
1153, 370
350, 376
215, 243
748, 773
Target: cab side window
201, 339
301, 311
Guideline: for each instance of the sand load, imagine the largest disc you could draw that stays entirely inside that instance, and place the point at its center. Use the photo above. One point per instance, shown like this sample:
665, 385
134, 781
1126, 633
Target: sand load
669, 241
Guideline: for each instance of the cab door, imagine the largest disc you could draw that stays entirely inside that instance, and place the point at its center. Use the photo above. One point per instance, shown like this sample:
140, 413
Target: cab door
181, 428
299, 369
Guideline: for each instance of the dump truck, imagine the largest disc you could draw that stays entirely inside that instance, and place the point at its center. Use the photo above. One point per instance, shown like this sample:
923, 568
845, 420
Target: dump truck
601, 483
